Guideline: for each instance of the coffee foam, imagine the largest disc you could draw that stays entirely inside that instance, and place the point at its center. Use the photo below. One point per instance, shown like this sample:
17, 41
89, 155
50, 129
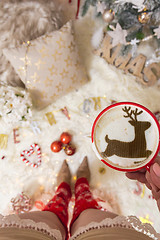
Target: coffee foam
117, 127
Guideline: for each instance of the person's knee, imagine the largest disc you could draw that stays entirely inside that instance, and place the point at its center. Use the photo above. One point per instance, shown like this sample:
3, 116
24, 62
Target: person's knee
90, 215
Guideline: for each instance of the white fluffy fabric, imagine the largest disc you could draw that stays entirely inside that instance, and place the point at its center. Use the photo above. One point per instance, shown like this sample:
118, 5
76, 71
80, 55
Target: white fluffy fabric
21, 21
97, 37
106, 82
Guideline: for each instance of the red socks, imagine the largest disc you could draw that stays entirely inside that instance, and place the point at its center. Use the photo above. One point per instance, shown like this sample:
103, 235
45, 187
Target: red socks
83, 198
59, 203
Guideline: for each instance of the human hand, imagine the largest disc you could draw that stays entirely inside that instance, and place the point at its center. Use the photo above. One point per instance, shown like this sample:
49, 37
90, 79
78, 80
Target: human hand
153, 178
150, 179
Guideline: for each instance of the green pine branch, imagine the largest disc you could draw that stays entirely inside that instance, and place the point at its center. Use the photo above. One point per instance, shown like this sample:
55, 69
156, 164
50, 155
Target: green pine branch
127, 16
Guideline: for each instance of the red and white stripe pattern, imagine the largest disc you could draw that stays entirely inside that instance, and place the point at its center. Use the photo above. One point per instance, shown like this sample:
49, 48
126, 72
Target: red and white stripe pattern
25, 153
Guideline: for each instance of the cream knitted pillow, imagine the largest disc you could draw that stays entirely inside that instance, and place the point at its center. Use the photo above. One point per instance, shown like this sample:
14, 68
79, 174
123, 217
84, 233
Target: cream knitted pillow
49, 66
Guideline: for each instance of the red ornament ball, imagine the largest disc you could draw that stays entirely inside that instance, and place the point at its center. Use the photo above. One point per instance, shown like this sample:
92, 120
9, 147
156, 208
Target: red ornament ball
56, 146
70, 149
65, 137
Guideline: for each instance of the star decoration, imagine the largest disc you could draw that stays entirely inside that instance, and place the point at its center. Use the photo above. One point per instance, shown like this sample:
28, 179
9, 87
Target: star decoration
118, 35
134, 41
146, 219
157, 32
39, 63
101, 6
35, 77
68, 61
74, 78
48, 82
59, 87
64, 73
60, 43
53, 70
56, 55
43, 52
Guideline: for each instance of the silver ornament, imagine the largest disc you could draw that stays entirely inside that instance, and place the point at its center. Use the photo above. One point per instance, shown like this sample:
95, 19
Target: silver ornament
108, 16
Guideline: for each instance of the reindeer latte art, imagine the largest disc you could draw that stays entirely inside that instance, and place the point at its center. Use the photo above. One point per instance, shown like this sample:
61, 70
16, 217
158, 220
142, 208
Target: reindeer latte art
125, 136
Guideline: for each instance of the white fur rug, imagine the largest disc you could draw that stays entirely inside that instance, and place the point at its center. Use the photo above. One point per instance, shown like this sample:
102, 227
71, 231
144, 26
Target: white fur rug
105, 82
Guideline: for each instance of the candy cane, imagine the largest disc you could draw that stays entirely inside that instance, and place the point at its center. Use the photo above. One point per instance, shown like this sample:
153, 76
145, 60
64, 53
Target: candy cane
28, 153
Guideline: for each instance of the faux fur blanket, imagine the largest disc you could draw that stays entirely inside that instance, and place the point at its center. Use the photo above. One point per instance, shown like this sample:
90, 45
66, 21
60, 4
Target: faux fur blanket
22, 21
25, 20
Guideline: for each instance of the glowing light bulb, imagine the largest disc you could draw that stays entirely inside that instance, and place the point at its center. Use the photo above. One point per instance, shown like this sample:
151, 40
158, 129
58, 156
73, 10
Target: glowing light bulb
74, 178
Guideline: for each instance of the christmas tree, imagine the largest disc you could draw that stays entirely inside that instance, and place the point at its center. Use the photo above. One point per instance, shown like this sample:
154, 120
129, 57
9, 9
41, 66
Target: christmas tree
141, 19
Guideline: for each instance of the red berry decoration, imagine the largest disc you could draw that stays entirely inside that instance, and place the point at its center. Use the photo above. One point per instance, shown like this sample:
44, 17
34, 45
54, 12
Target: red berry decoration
70, 149
65, 137
56, 146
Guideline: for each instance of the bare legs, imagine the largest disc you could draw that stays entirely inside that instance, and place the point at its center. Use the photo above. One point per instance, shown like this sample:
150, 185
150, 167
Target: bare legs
46, 217
55, 213
86, 208
90, 215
